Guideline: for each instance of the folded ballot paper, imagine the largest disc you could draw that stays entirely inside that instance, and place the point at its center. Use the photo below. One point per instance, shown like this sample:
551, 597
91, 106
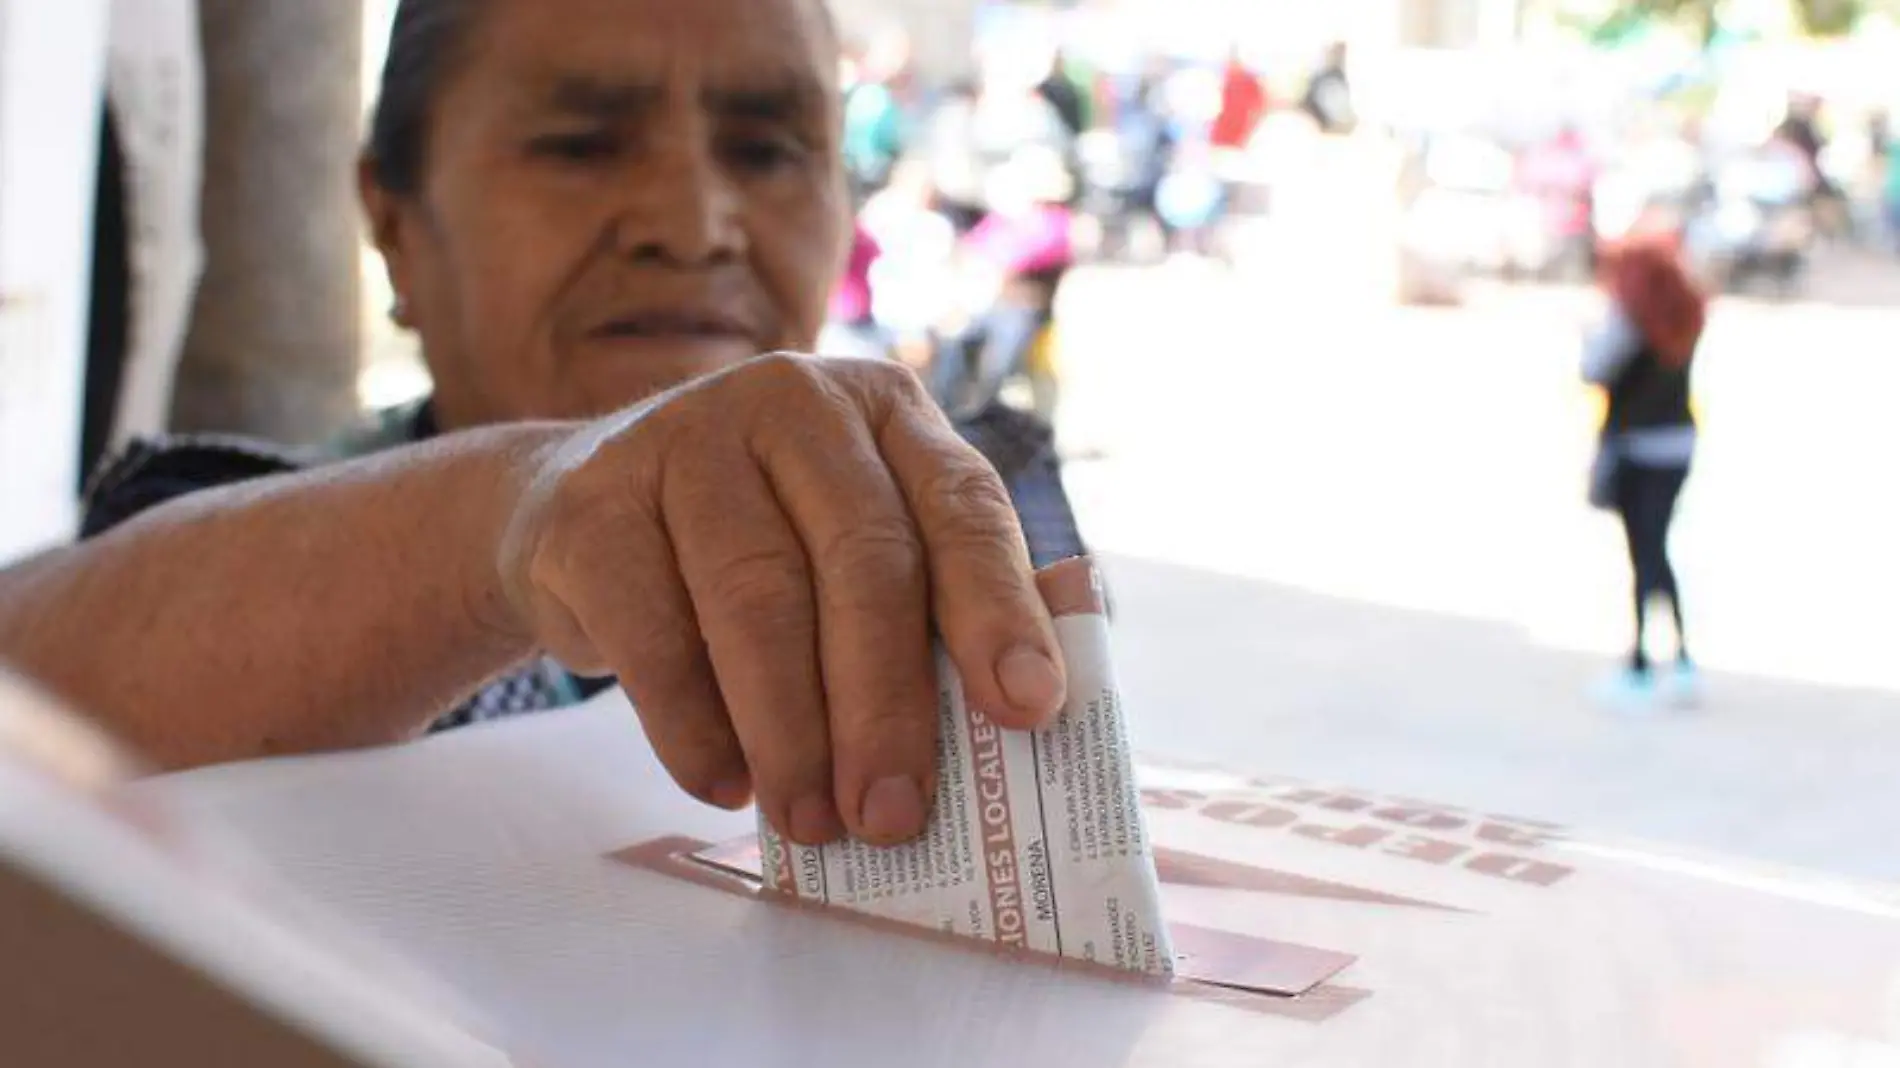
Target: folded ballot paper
1037, 841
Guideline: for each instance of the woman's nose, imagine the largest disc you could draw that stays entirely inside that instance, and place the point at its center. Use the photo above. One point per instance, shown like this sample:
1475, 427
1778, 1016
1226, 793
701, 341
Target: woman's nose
680, 209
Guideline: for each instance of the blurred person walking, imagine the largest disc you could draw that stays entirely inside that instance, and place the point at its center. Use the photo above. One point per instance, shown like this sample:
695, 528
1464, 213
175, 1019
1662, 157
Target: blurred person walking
1143, 139
1012, 266
1558, 178
1328, 96
1890, 192
910, 279
1803, 128
1013, 115
1243, 107
1641, 356
877, 115
981, 128
952, 156
1066, 94
850, 327
1243, 104
1191, 199
913, 280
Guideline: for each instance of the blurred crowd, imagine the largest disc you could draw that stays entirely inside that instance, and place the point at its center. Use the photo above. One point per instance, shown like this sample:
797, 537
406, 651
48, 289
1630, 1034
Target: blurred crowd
1750, 209
976, 198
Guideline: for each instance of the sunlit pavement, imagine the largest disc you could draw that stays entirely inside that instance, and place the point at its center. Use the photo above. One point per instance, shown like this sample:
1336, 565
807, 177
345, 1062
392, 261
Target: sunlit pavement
1349, 542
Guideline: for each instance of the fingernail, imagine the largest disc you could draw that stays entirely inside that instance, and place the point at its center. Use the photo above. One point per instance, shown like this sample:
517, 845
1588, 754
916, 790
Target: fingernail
1030, 680
732, 794
815, 821
894, 810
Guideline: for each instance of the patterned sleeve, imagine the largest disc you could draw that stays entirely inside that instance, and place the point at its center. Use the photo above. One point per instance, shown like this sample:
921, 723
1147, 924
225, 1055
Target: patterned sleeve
1022, 449
151, 472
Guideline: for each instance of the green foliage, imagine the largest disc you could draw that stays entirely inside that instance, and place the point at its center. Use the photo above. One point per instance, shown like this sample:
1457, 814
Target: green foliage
1822, 18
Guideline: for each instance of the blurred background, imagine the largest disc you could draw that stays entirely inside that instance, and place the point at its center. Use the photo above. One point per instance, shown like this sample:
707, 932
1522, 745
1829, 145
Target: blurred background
1311, 283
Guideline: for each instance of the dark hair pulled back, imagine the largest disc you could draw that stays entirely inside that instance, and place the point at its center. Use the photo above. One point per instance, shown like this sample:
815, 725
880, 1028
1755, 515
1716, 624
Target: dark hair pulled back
424, 41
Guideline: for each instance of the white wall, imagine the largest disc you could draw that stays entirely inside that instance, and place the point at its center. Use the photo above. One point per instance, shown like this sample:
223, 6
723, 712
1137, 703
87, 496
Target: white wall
52, 84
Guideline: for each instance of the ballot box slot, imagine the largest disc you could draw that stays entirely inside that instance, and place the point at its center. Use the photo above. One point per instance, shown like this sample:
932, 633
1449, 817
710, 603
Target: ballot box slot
1217, 966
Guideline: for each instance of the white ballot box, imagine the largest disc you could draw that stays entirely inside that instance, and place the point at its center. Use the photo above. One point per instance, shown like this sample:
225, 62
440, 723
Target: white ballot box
549, 873
129, 937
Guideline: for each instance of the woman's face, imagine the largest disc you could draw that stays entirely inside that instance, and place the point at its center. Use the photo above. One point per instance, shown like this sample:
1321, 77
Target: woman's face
619, 196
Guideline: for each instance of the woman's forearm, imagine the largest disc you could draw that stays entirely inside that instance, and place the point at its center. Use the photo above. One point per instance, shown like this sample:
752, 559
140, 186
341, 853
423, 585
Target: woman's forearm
343, 607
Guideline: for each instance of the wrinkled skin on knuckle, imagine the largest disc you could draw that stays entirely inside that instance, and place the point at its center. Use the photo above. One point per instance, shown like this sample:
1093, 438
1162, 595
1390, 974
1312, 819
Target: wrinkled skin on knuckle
770, 400
778, 373
970, 503
881, 387
871, 565
859, 388
660, 639
885, 376
765, 592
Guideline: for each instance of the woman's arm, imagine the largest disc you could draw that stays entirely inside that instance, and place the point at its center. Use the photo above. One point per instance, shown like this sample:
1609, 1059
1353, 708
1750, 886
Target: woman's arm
342, 607
760, 558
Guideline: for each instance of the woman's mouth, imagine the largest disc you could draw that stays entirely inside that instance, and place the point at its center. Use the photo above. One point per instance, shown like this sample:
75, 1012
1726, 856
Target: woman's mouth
673, 325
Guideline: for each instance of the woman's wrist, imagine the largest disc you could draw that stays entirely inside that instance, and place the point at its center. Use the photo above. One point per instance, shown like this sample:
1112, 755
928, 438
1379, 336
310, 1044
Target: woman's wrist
499, 485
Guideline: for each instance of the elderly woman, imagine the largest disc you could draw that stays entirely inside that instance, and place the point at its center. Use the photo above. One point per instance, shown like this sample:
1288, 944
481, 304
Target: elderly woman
583, 204
591, 210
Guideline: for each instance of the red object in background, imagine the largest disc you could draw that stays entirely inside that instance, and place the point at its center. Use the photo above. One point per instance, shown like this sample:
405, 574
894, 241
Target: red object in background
1243, 103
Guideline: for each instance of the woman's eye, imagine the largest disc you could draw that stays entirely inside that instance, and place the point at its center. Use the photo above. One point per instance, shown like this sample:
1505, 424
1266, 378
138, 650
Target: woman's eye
763, 154
591, 147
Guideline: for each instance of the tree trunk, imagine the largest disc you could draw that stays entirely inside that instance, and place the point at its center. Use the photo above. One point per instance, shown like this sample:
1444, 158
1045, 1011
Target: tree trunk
275, 339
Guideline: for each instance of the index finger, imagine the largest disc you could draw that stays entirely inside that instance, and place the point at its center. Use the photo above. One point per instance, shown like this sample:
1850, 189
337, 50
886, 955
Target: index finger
983, 589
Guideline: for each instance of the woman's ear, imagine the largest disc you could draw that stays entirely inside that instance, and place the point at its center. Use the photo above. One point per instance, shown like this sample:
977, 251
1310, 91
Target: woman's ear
382, 211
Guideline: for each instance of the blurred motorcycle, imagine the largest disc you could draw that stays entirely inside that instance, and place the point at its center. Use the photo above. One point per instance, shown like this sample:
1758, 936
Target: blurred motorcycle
1757, 223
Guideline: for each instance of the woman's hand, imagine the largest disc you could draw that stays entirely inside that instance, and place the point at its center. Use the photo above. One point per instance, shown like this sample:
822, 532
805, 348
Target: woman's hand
760, 558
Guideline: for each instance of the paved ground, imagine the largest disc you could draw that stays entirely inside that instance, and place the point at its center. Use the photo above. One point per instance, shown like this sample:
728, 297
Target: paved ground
1350, 544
